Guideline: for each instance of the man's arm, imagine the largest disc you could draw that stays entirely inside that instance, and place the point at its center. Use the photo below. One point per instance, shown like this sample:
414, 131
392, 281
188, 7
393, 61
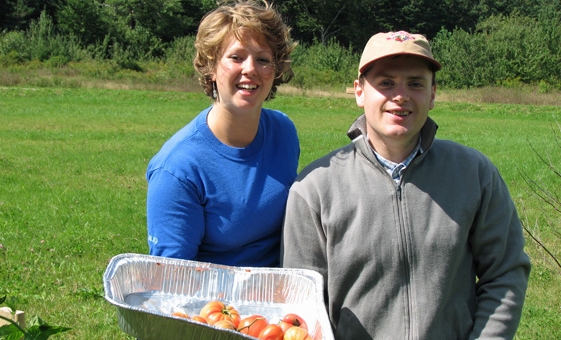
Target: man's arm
502, 266
303, 242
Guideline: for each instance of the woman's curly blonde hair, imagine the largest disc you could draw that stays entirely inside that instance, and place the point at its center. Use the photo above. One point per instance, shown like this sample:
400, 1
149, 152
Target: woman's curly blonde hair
256, 17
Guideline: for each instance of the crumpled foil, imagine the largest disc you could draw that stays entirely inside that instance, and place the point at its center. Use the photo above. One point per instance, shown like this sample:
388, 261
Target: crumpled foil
147, 289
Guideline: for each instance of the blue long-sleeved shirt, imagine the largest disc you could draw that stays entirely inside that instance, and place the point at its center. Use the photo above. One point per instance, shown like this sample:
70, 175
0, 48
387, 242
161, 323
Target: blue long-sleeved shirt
211, 202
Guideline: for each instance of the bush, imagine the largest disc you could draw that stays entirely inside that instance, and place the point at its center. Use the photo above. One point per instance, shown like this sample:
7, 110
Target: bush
324, 65
10, 58
36, 328
43, 42
124, 58
39, 42
181, 50
13, 47
56, 61
502, 50
179, 57
143, 45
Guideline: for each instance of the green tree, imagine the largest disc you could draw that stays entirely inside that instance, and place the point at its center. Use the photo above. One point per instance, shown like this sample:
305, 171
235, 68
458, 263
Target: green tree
144, 28
194, 10
318, 20
502, 50
20, 13
83, 19
5, 10
163, 18
17, 16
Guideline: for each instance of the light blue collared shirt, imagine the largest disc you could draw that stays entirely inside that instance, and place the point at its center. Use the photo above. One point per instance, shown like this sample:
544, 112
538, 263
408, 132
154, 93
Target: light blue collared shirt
396, 169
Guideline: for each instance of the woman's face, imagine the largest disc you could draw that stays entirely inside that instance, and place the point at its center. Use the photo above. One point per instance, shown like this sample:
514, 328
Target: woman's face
244, 74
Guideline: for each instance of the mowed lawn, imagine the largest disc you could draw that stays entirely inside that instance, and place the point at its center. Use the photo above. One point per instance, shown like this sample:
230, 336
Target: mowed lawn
72, 188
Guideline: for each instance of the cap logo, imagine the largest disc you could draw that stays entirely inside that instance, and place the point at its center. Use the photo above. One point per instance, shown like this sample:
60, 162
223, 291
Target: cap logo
400, 36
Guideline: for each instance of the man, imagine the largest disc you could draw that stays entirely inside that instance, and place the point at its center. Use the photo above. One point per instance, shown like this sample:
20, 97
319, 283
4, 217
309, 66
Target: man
416, 237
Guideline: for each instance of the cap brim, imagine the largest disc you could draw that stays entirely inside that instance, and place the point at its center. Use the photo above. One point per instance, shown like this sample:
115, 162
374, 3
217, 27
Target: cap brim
435, 64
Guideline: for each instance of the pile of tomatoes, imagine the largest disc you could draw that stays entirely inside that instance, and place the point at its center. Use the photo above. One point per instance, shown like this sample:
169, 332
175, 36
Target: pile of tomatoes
218, 314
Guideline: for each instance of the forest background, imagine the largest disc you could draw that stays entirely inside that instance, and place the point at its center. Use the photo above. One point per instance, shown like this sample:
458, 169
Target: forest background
480, 42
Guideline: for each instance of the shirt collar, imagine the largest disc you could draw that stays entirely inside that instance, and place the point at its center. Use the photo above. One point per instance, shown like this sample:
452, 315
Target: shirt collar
395, 170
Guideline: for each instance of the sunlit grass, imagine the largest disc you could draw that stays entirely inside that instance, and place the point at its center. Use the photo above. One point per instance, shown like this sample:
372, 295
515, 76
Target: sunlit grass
72, 167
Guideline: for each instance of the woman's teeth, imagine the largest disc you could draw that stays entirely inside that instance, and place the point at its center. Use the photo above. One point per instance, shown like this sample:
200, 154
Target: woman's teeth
247, 86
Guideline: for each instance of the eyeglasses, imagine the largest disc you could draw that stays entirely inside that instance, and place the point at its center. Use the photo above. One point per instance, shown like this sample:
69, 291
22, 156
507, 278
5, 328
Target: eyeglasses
262, 65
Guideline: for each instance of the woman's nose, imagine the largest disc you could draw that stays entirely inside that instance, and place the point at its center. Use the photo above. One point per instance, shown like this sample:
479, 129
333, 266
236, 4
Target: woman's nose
248, 66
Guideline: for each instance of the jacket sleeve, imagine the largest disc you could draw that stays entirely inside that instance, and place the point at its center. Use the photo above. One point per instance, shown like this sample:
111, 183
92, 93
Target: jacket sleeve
303, 243
501, 265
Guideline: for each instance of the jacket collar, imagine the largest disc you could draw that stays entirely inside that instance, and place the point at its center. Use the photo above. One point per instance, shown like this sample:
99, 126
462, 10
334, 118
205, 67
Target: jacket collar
428, 131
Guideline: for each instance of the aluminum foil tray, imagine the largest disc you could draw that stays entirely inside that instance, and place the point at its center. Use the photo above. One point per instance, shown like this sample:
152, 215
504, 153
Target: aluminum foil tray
147, 289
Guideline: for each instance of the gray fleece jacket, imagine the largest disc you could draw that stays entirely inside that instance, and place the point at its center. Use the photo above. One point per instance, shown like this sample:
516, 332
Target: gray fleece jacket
439, 256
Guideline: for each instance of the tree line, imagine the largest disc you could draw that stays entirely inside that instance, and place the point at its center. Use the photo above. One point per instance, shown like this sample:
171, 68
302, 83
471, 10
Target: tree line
349, 22
499, 40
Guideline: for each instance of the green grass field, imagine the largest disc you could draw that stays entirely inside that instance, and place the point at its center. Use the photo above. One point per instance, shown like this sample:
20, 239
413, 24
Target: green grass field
72, 188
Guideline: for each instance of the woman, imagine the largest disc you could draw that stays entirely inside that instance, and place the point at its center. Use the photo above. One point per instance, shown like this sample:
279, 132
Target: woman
217, 189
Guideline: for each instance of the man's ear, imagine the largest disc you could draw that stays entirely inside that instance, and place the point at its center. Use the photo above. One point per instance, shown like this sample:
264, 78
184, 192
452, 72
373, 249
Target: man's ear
359, 94
432, 97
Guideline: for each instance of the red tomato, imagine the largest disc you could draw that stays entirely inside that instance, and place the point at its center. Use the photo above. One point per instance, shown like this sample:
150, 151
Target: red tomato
271, 332
215, 311
199, 319
226, 324
285, 325
292, 319
180, 314
252, 325
297, 333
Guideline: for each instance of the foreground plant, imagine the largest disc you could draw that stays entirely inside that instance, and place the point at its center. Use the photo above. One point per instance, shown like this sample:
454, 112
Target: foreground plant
37, 329
547, 196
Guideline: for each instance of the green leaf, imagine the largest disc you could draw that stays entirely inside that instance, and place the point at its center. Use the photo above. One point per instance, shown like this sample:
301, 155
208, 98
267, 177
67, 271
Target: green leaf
43, 332
2, 299
40, 330
10, 332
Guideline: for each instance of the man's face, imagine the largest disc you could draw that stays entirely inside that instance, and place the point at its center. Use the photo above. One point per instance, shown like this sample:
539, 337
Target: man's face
396, 95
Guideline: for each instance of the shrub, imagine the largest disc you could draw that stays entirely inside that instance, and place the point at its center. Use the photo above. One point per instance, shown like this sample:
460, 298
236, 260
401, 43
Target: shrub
179, 57
56, 61
502, 50
124, 58
36, 329
324, 65
14, 46
143, 45
10, 58
39, 42
181, 50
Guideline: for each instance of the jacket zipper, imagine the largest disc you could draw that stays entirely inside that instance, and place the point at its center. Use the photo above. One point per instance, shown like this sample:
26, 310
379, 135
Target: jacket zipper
406, 267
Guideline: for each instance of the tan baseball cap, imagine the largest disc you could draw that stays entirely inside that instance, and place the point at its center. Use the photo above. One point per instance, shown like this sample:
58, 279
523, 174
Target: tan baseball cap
387, 44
